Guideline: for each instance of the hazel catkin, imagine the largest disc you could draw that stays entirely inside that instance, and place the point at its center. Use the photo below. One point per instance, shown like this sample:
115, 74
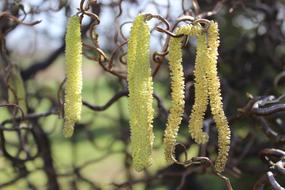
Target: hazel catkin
177, 89
73, 59
201, 92
140, 94
215, 97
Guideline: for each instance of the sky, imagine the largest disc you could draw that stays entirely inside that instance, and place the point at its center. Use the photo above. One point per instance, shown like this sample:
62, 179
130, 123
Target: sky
46, 36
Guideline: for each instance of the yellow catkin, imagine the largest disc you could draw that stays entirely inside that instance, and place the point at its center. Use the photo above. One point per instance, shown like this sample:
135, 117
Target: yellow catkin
16, 91
177, 89
73, 59
201, 93
140, 94
215, 97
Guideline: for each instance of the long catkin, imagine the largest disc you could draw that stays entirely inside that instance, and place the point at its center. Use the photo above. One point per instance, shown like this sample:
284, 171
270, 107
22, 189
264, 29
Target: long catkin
201, 92
177, 89
73, 59
215, 97
140, 94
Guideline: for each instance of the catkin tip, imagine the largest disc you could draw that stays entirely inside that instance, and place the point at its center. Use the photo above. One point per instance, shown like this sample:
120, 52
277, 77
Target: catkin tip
68, 132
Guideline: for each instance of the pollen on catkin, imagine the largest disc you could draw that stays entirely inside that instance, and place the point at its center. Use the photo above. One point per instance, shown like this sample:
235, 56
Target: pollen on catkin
216, 99
140, 94
177, 89
201, 93
73, 59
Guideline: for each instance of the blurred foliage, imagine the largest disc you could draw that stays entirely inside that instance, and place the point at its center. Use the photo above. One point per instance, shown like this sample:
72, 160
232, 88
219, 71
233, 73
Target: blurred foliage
35, 155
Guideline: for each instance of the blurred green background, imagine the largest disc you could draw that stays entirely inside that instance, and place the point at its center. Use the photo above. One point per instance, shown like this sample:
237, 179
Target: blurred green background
251, 63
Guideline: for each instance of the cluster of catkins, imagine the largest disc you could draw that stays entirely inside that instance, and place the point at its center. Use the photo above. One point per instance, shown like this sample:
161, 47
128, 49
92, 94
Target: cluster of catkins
207, 89
140, 84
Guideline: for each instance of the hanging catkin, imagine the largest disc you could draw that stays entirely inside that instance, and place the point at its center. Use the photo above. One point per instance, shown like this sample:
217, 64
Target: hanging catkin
140, 94
177, 88
215, 97
201, 92
73, 59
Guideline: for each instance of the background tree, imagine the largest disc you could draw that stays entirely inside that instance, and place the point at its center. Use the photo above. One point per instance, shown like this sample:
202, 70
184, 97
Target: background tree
35, 155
